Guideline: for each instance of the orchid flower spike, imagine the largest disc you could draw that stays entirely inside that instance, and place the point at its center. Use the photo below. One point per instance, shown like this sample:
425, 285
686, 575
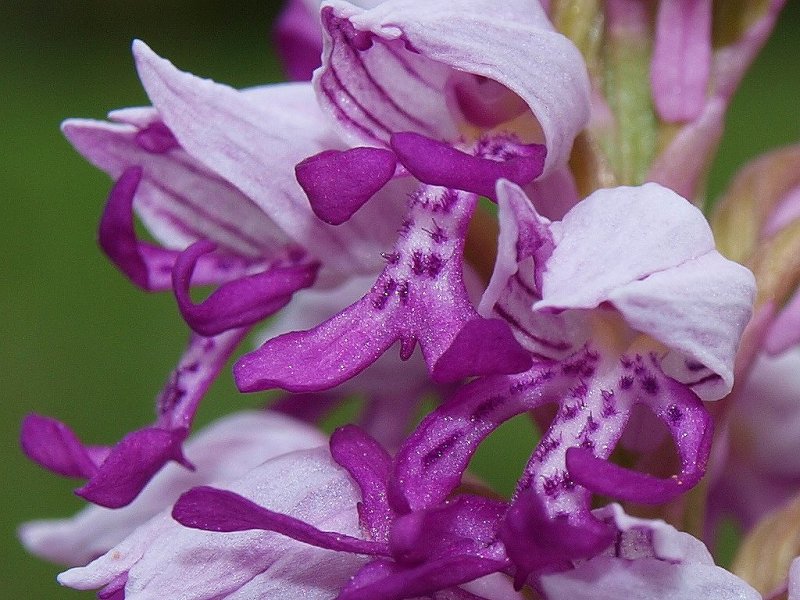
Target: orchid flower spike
204, 192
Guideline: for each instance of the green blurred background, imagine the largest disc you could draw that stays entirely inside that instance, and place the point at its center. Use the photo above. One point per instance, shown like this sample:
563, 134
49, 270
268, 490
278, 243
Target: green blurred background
78, 341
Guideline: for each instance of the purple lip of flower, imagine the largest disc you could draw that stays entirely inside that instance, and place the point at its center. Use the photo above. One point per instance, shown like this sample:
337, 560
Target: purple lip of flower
414, 553
420, 296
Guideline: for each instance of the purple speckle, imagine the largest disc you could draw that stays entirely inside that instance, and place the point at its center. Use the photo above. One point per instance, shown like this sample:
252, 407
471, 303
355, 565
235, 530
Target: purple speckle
438, 235
391, 257
402, 291
650, 384
626, 382
381, 295
674, 413
440, 449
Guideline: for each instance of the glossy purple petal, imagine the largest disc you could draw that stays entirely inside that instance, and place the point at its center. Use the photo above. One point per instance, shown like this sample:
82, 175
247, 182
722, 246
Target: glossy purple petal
389, 69
55, 447
196, 370
681, 64
221, 452
240, 302
483, 347
298, 40
131, 464
438, 163
466, 525
429, 466
385, 580
214, 509
369, 466
538, 542
338, 182
146, 265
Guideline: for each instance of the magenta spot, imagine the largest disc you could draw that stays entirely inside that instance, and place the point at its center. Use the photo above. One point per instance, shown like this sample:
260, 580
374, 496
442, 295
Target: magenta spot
650, 384
382, 296
674, 413
626, 382
439, 451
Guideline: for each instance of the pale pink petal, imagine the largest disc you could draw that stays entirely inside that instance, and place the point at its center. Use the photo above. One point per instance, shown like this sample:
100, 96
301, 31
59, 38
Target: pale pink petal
681, 59
606, 578
223, 451
178, 199
784, 331
666, 279
165, 560
389, 69
255, 145
686, 159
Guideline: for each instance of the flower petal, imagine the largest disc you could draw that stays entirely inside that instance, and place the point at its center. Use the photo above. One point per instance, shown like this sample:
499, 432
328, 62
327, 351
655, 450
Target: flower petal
165, 560
385, 580
604, 578
221, 452
298, 39
681, 63
212, 509
338, 183
664, 279
240, 302
146, 265
388, 69
369, 466
178, 199
438, 163
420, 296
254, 144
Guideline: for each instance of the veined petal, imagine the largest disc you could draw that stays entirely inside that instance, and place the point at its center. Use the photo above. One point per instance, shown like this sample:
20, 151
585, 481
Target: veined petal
254, 145
146, 265
165, 560
178, 199
221, 452
525, 244
389, 69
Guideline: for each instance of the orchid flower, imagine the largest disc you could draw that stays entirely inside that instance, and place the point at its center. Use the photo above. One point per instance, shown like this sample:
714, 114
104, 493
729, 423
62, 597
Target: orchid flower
222, 452
601, 307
